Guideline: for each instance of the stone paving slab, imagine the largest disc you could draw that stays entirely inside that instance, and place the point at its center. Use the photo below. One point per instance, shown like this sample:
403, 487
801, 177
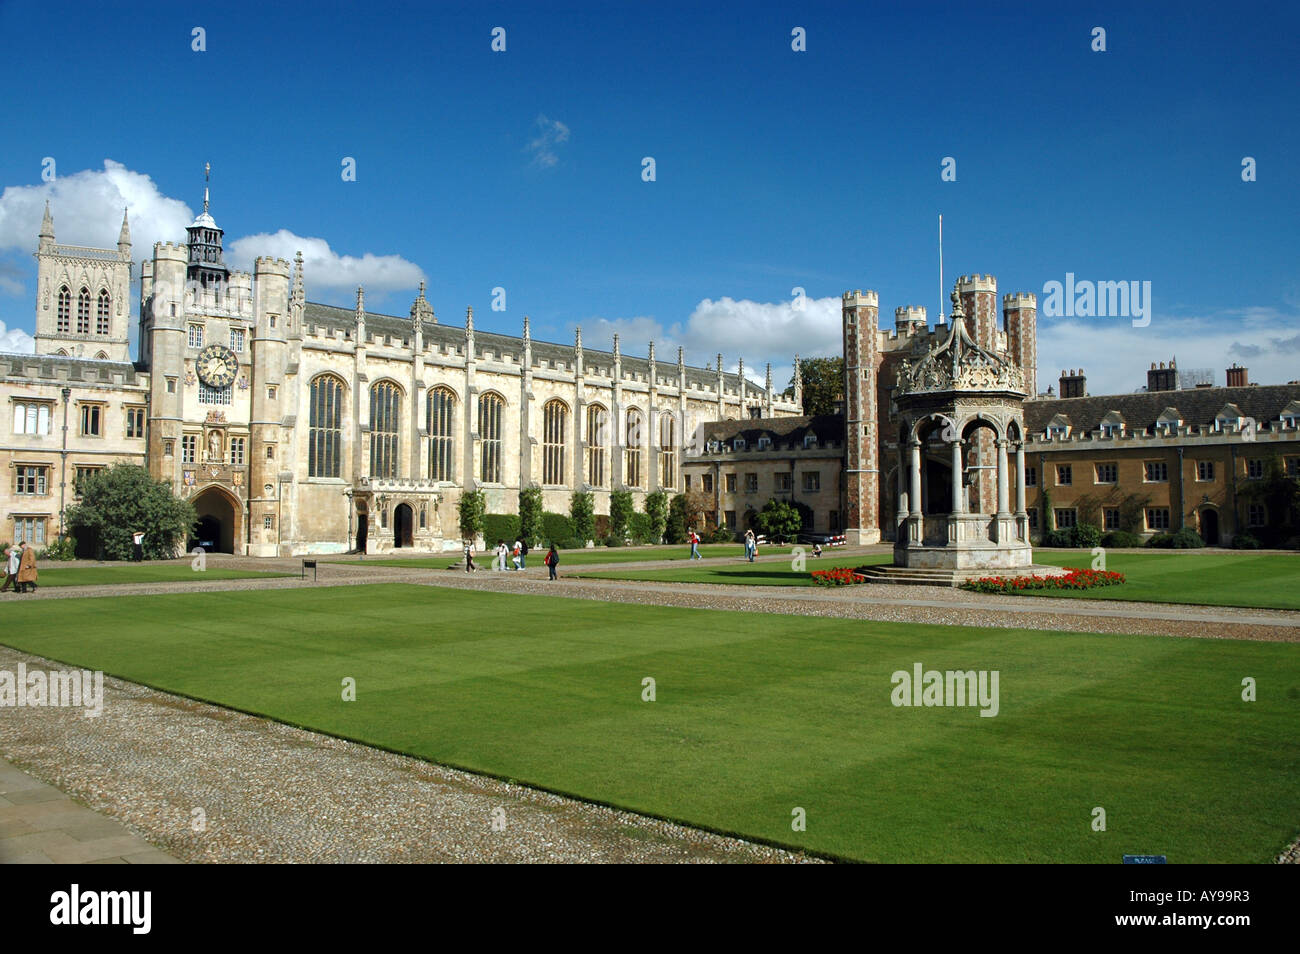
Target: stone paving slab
41, 825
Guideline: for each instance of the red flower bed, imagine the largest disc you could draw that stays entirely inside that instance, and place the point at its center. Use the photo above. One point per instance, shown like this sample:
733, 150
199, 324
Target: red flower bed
1074, 579
840, 576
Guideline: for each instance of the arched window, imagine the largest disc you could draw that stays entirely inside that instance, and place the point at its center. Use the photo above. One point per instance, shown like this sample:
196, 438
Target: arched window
385, 414
632, 475
667, 451
555, 426
325, 431
102, 310
65, 310
83, 312
597, 444
442, 437
490, 407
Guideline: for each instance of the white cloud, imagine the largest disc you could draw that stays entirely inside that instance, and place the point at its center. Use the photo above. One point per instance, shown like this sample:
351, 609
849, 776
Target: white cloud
16, 341
324, 268
551, 133
1116, 355
754, 331
87, 208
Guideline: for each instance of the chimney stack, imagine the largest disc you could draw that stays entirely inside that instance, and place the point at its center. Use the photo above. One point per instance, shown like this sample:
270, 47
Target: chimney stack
1163, 378
1074, 384
1238, 377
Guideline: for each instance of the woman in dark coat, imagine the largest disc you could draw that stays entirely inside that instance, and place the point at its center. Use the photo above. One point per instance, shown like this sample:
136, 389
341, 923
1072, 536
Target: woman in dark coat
552, 560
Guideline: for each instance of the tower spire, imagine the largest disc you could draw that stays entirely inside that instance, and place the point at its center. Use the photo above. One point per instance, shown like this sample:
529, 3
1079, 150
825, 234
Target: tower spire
207, 175
124, 237
47, 230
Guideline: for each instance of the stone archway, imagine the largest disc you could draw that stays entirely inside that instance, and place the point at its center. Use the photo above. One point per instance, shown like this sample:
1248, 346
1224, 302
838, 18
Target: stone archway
219, 524
403, 526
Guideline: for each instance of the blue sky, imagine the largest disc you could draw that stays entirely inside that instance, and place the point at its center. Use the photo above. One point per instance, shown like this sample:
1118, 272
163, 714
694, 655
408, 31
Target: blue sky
774, 168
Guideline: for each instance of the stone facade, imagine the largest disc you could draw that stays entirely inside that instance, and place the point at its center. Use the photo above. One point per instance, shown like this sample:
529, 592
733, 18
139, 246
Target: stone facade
298, 427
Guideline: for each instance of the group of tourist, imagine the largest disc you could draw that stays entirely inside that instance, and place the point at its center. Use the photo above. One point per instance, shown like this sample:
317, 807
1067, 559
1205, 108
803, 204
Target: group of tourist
517, 555
20, 568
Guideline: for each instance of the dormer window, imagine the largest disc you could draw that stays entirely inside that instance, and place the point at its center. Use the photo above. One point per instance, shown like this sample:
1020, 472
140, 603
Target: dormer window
764, 443
1112, 425
738, 444
809, 441
1058, 430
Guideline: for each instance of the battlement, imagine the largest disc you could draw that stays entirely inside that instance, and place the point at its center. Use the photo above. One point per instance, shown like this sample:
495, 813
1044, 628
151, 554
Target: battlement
978, 283
909, 316
1020, 300
861, 297
267, 265
171, 251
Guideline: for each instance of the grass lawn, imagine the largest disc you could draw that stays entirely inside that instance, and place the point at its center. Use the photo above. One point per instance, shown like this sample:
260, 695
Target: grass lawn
127, 573
1212, 579
582, 557
756, 715
773, 573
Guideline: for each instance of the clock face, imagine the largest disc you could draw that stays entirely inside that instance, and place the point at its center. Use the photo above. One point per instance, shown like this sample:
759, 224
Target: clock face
216, 366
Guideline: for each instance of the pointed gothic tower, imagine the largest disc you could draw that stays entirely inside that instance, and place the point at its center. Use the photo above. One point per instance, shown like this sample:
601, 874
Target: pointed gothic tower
82, 300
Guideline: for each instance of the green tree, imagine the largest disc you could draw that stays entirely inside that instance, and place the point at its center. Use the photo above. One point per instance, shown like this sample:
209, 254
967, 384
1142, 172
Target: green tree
1279, 495
470, 513
530, 514
656, 508
779, 521
675, 527
582, 511
620, 512
823, 381
123, 499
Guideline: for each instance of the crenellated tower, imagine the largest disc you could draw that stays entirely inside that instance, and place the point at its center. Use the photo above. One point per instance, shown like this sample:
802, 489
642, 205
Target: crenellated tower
83, 298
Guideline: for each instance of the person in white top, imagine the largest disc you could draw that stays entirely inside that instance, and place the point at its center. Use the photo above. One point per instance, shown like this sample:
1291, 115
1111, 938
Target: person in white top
137, 546
13, 557
499, 562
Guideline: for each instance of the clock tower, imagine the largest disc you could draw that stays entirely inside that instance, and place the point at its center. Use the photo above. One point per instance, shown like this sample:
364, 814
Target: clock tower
202, 329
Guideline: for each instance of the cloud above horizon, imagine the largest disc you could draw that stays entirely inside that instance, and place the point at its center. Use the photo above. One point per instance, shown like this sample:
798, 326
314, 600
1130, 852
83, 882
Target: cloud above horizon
87, 209
544, 146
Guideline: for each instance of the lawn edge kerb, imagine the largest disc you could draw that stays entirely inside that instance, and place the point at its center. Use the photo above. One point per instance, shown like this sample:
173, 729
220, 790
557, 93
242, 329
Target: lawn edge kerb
508, 780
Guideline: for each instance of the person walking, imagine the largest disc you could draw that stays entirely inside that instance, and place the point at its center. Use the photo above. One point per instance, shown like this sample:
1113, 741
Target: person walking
552, 560
695, 546
470, 565
523, 552
137, 546
515, 557
13, 556
27, 574
499, 560
751, 545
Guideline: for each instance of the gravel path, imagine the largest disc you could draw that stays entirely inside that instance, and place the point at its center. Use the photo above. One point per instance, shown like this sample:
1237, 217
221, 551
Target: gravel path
269, 792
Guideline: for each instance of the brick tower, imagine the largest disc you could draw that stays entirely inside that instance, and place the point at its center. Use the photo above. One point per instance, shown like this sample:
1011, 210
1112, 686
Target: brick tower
861, 441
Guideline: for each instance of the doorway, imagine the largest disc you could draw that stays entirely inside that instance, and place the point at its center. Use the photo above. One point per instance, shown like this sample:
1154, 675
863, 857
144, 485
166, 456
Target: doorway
403, 520
1210, 527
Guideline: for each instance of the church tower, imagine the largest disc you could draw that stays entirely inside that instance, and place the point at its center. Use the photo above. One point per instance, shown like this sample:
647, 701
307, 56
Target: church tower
82, 302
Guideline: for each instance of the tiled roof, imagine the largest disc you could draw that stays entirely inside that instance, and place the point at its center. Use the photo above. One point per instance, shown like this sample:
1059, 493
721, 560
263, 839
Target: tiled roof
1194, 406
827, 427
